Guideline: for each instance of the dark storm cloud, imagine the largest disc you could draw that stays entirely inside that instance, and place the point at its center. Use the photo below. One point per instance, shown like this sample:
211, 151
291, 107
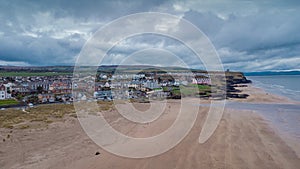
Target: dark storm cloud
249, 42
53, 32
248, 35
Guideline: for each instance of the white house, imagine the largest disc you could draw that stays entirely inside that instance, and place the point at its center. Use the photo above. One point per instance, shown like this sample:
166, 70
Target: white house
2, 92
8, 87
202, 81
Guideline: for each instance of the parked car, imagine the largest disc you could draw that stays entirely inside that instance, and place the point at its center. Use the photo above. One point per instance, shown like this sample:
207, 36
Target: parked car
30, 105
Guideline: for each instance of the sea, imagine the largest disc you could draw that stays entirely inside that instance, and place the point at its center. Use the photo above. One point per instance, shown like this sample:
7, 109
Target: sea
284, 117
284, 85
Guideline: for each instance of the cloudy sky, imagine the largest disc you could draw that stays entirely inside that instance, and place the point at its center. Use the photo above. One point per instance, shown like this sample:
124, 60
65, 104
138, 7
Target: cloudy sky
259, 35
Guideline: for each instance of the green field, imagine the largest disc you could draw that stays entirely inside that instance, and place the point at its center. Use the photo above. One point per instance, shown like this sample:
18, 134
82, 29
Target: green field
24, 74
8, 102
189, 90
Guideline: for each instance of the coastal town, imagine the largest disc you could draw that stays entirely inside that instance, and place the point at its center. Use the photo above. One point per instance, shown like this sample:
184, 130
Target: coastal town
31, 90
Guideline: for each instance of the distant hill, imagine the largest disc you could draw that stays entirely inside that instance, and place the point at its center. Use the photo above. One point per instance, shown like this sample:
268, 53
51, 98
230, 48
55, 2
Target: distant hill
37, 68
102, 68
68, 70
272, 73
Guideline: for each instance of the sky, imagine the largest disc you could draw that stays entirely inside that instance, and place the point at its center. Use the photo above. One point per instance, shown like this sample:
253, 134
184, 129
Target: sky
248, 35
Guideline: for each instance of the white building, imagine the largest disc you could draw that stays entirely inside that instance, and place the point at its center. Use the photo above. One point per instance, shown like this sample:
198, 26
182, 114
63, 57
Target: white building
3, 92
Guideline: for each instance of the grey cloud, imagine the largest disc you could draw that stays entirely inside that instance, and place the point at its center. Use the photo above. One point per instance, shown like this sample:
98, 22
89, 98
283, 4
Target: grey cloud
259, 37
158, 42
34, 31
249, 35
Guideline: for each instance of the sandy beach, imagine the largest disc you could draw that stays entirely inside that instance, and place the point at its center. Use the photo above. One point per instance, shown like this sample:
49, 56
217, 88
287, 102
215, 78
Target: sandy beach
243, 139
258, 95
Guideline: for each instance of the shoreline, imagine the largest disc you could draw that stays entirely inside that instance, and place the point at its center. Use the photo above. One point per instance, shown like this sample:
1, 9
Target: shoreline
282, 88
260, 96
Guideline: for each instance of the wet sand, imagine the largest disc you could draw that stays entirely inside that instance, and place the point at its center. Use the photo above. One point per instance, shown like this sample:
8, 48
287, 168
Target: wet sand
258, 95
243, 139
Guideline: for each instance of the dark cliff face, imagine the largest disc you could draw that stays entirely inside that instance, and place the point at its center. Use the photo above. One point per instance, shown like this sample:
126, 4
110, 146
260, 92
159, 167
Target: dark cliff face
234, 79
241, 81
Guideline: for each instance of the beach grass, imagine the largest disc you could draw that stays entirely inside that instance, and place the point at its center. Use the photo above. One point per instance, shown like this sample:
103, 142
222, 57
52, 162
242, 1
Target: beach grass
8, 102
45, 114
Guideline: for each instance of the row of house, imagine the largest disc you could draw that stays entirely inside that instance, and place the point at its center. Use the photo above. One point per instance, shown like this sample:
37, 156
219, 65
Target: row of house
46, 86
121, 85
